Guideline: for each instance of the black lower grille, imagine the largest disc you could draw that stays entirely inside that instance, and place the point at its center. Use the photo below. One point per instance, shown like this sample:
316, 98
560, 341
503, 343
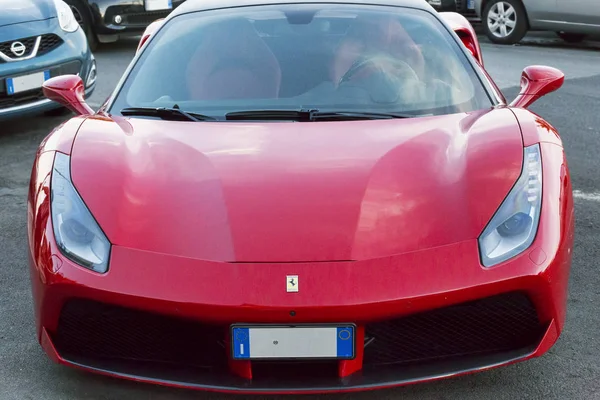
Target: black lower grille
112, 337
496, 324
100, 331
30, 96
144, 18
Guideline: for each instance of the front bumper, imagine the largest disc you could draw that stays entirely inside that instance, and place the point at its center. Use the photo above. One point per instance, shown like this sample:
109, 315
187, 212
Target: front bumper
69, 54
415, 313
114, 19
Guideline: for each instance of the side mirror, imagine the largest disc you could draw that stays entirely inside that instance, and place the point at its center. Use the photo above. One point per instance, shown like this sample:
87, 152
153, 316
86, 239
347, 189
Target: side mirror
69, 91
465, 32
150, 30
537, 81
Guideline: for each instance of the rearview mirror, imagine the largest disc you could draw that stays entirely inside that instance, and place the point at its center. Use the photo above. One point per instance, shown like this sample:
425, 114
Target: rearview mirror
69, 91
465, 32
537, 81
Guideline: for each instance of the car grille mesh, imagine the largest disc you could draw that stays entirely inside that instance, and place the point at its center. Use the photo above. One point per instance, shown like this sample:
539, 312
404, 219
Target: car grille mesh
27, 42
47, 43
491, 325
95, 331
102, 331
145, 18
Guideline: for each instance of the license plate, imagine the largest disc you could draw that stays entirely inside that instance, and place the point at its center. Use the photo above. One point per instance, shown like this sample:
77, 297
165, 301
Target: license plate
471, 4
293, 342
26, 82
155, 5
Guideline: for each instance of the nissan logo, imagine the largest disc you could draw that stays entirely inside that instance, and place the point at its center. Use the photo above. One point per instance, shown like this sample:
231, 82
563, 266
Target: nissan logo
18, 48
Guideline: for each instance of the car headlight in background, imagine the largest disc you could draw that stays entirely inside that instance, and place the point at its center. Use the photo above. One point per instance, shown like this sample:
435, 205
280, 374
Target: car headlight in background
92, 75
76, 231
66, 19
514, 226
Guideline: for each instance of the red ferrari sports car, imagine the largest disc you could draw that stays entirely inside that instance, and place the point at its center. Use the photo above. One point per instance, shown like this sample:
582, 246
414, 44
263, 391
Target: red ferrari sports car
304, 196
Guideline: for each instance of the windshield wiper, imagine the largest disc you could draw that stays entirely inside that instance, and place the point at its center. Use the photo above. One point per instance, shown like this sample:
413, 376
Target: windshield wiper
170, 114
310, 115
264, 115
356, 115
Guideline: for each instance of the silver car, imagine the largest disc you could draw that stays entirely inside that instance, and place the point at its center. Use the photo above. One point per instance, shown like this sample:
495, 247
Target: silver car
507, 21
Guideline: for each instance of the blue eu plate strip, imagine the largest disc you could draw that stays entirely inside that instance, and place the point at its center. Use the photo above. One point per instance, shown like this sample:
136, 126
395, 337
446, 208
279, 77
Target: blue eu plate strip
241, 343
46, 75
345, 342
10, 88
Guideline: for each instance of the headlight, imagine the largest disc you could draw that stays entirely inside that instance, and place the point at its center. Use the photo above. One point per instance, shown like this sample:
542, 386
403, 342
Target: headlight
76, 231
66, 19
514, 226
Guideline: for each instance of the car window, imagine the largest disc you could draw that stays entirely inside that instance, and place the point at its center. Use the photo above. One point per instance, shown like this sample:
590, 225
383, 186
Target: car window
329, 57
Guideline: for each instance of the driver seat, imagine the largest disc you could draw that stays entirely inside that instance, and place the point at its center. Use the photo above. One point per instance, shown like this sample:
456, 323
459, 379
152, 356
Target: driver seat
233, 62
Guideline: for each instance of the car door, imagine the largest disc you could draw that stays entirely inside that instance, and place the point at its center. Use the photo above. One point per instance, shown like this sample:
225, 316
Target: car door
542, 12
581, 13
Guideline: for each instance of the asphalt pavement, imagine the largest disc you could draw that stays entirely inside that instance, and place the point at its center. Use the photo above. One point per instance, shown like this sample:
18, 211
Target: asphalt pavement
571, 370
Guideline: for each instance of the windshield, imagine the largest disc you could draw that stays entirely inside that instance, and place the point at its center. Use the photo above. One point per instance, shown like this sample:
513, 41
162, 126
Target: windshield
326, 57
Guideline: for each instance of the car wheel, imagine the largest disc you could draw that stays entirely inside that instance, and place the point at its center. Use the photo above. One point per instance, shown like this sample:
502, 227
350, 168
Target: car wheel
571, 37
84, 19
505, 21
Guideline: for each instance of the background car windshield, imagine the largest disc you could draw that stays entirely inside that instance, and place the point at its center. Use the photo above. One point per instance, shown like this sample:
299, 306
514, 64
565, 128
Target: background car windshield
318, 56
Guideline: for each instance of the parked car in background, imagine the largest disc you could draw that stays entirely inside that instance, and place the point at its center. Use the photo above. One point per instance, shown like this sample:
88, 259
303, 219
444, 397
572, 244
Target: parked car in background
507, 21
39, 39
105, 21
464, 7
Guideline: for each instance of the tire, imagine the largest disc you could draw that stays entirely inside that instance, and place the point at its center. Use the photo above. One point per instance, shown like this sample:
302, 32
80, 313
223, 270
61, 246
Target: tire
505, 21
84, 18
571, 37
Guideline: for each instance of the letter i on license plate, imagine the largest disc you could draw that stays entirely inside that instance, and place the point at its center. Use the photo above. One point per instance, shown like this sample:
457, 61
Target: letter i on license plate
293, 342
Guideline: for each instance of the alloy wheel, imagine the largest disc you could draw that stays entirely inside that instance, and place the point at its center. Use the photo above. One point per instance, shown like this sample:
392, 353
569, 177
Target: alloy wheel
502, 19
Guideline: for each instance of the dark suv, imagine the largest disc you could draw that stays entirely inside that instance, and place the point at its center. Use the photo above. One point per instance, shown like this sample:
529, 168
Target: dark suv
106, 21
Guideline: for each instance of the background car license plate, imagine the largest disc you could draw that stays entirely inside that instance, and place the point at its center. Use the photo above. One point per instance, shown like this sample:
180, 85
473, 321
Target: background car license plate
26, 82
471, 4
292, 342
155, 5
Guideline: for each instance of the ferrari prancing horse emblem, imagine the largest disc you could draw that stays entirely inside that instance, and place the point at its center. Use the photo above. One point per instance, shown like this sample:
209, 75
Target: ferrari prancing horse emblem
291, 283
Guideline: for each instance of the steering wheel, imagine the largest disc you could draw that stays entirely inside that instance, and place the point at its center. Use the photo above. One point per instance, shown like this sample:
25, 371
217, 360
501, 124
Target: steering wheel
364, 62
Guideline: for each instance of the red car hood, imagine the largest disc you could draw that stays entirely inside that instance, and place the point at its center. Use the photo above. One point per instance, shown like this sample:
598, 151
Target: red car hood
279, 192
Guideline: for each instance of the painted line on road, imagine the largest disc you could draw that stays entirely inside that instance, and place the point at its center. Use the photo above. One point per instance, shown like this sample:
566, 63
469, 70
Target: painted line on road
578, 194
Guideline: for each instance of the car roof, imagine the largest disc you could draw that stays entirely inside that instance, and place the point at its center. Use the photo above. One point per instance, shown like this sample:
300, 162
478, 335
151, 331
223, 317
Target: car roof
203, 5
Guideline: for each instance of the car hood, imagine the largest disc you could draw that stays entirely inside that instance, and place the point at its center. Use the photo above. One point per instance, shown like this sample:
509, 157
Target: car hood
291, 192
20, 11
